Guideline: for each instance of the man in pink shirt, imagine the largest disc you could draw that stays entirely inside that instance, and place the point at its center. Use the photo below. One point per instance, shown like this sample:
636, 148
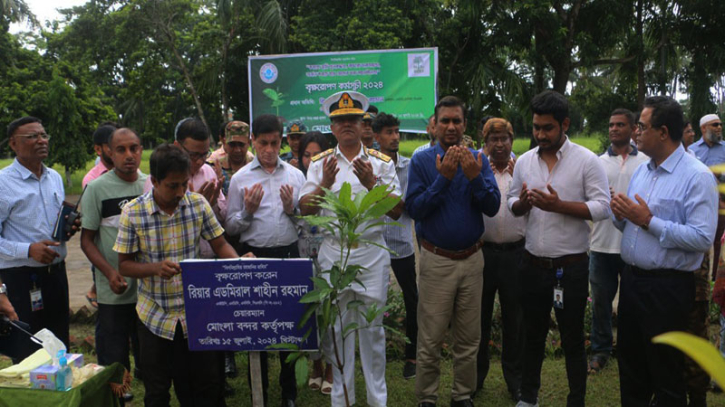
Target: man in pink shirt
100, 145
193, 136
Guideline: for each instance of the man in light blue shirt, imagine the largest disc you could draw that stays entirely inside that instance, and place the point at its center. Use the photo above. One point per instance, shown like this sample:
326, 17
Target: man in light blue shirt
668, 219
710, 148
32, 264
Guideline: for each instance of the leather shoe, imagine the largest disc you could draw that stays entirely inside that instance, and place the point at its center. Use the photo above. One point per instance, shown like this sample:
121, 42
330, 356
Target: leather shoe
288, 403
462, 403
426, 404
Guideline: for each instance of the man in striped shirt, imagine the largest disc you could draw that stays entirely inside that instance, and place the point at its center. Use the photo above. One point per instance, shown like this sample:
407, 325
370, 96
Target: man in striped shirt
399, 238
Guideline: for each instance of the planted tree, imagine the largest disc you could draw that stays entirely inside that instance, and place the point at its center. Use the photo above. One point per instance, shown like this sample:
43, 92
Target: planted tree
351, 217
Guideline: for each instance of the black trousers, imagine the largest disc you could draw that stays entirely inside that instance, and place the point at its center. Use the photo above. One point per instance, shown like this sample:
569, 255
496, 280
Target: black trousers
501, 274
651, 303
404, 270
198, 377
287, 370
53, 284
117, 334
537, 300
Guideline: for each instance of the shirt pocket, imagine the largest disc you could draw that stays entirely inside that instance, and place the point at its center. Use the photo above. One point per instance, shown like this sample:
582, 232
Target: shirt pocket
668, 209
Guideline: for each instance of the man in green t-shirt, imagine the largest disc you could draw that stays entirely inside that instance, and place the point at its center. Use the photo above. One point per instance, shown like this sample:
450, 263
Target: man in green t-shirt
101, 207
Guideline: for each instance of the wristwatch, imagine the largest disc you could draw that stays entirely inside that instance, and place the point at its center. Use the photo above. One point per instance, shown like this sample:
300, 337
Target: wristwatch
3, 289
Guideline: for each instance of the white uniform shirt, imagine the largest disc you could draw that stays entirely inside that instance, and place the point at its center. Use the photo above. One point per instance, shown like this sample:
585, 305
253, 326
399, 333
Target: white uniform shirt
504, 227
578, 176
605, 237
269, 226
373, 258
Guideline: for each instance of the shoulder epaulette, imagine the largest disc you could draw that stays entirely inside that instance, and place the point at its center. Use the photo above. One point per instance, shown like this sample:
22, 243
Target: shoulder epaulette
378, 154
322, 155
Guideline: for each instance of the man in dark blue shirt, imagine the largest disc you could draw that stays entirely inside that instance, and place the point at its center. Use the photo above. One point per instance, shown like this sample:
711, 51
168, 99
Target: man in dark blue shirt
449, 187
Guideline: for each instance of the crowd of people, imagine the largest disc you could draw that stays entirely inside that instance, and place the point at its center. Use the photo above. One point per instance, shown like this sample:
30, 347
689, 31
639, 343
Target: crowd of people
539, 230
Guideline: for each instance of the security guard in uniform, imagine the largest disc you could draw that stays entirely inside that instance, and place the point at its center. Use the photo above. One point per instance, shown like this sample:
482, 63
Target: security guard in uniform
363, 169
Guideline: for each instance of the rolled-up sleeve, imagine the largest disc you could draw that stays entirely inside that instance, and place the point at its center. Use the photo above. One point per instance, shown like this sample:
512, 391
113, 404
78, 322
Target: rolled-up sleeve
596, 188
516, 184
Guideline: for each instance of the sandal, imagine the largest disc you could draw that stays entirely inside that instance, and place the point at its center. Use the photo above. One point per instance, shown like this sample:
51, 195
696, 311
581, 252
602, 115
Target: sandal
93, 300
326, 388
315, 382
596, 365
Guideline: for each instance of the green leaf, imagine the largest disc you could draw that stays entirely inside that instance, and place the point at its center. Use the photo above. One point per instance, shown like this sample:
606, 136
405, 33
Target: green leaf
310, 297
373, 196
354, 304
351, 326
320, 282
271, 93
346, 197
699, 350
283, 346
311, 308
382, 207
301, 371
278, 103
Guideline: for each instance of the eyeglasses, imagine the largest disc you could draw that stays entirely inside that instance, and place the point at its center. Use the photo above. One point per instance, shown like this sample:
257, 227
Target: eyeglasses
716, 124
642, 128
34, 136
197, 156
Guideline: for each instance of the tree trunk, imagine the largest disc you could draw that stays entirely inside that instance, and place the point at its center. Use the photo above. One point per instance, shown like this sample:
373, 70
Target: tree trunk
189, 83
641, 85
68, 179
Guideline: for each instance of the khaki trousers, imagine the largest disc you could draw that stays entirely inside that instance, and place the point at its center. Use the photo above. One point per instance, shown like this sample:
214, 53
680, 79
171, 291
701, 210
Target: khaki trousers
449, 292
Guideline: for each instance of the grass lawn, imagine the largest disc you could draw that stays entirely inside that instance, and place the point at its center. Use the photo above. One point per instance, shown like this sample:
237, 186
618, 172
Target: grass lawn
602, 389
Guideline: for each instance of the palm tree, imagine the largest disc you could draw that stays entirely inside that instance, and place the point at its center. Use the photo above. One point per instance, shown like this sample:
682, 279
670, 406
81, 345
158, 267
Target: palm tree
15, 11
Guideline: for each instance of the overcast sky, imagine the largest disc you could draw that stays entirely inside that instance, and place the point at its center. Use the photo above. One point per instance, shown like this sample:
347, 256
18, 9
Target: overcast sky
45, 10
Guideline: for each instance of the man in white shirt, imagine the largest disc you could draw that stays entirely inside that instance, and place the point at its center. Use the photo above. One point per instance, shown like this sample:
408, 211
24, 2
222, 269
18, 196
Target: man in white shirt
560, 185
263, 198
502, 251
605, 263
363, 169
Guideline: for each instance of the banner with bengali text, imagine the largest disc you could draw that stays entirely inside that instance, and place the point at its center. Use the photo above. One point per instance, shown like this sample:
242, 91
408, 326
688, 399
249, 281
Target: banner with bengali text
247, 304
400, 82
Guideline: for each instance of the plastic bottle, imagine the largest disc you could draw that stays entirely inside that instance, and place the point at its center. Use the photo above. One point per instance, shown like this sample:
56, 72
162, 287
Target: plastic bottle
64, 379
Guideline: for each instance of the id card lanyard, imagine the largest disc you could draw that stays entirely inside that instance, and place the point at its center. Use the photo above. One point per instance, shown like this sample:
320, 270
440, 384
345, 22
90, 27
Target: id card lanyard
559, 290
36, 297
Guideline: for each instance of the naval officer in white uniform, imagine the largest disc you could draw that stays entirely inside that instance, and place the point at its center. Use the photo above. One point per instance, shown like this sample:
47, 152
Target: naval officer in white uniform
363, 169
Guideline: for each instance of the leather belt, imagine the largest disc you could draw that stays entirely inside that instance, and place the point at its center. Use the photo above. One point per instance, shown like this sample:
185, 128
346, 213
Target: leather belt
555, 262
504, 247
659, 272
452, 254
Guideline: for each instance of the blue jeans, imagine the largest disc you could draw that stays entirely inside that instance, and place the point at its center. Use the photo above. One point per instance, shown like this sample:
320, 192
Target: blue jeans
604, 272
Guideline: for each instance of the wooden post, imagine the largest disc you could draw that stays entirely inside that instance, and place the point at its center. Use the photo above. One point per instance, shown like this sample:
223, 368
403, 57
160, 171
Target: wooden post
255, 367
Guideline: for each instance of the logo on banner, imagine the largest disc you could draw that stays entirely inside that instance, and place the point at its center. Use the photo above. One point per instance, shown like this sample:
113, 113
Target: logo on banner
418, 65
268, 73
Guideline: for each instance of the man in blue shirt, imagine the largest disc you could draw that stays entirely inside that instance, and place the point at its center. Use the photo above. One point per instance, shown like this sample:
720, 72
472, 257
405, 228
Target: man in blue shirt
32, 264
667, 219
449, 187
